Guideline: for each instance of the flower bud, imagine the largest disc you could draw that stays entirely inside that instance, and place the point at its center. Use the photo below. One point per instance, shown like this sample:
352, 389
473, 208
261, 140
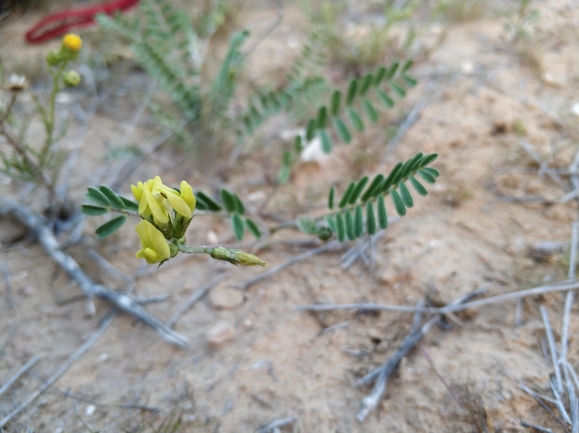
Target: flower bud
236, 257
72, 78
54, 58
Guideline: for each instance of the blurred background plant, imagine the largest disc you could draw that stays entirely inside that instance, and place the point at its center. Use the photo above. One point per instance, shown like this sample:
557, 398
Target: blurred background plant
28, 162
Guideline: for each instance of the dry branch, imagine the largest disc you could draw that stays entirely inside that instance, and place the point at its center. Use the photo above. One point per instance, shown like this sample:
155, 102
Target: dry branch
38, 225
382, 373
19, 373
560, 286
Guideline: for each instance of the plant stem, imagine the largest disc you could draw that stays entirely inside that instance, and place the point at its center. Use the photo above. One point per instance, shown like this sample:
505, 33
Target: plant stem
49, 119
194, 250
36, 170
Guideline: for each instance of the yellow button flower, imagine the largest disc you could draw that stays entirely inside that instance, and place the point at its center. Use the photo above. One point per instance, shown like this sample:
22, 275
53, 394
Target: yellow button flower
157, 200
72, 42
154, 247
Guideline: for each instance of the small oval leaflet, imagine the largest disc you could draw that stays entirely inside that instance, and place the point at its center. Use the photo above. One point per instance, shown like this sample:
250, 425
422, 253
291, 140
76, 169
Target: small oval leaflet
111, 226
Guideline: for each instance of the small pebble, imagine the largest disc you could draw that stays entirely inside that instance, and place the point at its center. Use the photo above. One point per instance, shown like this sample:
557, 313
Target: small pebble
90, 409
220, 333
225, 298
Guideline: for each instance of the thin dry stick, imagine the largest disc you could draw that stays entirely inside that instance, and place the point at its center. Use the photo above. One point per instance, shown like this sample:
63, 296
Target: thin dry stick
199, 293
556, 287
62, 369
19, 373
552, 349
38, 225
274, 426
537, 397
572, 401
311, 253
570, 295
382, 373
552, 174
536, 427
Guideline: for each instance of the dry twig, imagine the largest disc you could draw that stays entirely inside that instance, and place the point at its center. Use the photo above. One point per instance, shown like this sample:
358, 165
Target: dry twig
19, 373
274, 426
382, 373
38, 225
556, 287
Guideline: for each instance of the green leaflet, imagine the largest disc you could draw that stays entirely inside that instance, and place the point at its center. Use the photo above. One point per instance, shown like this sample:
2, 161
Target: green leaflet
418, 187
370, 219
209, 201
238, 226
111, 226
331, 198
97, 196
405, 195
228, 201
358, 222
382, 216
340, 228
355, 119
114, 199
91, 210
398, 204
342, 130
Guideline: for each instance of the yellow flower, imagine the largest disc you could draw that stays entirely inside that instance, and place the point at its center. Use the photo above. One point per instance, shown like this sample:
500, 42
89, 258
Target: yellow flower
154, 247
72, 42
157, 200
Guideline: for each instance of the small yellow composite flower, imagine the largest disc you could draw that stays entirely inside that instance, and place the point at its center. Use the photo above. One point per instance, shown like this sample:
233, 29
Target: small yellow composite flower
154, 247
72, 42
157, 200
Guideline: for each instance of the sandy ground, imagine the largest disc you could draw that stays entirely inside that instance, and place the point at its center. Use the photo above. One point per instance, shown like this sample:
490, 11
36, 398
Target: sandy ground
483, 97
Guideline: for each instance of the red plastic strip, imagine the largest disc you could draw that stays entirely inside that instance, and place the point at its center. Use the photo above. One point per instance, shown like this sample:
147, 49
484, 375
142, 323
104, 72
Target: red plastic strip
61, 23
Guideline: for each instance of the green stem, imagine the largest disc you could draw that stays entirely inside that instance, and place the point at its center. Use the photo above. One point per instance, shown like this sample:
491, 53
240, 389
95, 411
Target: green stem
195, 250
49, 118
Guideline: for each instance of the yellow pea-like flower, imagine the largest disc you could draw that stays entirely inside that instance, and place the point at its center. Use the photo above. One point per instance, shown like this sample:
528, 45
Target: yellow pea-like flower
72, 42
154, 247
158, 200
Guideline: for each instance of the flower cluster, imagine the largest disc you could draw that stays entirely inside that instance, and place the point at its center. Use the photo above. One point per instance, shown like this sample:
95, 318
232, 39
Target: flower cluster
71, 45
167, 213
